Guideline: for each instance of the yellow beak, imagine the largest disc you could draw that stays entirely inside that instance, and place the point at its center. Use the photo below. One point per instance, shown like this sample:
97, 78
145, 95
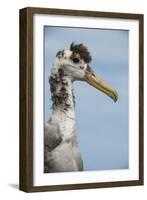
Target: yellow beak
99, 84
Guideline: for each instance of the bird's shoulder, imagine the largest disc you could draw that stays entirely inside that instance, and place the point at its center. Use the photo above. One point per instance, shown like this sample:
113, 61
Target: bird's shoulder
52, 135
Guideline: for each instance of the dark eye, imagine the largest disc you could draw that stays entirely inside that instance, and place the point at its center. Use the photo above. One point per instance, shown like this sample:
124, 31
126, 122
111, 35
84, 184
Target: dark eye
76, 60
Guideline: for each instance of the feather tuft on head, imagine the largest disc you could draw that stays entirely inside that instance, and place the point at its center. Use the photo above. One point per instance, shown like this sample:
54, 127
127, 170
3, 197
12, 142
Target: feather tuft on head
82, 51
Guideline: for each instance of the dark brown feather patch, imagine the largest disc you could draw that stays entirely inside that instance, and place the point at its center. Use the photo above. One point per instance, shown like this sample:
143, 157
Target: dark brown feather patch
82, 51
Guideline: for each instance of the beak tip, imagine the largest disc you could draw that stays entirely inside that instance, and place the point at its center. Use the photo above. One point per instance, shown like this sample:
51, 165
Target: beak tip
115, 97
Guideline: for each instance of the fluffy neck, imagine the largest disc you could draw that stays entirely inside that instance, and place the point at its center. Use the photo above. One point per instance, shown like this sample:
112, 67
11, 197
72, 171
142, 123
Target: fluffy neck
63, 102
61, 92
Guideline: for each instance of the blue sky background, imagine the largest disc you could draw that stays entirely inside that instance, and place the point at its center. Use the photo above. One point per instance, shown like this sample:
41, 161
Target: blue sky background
102, 125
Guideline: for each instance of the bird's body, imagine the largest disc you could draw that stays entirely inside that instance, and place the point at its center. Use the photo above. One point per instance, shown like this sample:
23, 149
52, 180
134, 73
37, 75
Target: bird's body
61, 146
61, 151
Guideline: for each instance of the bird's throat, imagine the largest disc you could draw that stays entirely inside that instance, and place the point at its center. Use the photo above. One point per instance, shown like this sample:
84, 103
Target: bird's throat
61, 93
63, 103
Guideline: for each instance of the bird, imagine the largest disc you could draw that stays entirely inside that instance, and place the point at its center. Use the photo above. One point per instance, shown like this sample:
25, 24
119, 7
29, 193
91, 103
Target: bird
61, 148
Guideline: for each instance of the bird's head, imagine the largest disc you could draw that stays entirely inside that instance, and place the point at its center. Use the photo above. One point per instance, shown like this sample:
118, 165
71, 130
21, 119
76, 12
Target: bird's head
74, 63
